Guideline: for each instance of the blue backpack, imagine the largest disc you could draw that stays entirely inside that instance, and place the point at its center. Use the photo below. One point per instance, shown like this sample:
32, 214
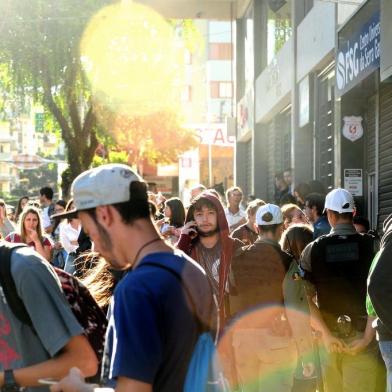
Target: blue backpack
204, 372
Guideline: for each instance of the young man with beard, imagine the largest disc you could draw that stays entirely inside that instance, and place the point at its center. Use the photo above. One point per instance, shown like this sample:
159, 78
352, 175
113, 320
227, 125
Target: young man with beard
205, 237
154, 320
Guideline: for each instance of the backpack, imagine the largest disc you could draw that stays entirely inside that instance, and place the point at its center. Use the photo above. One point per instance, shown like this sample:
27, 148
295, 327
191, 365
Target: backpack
204, 372
83, 305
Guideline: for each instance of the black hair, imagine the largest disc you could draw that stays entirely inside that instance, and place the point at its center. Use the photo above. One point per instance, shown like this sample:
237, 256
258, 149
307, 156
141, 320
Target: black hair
343, 215
137, 207
279, 176
303, 189
361, 220
177, 209
61, 203
269, 228
316, 200
47, 192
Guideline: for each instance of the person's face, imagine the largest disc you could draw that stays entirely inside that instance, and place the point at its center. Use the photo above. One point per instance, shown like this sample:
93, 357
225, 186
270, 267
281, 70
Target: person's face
287, 177
58, 209
310, 213
206, 220
31, 222
42, 199
235, 198
167, 212
2, 210
23, 202
100, 238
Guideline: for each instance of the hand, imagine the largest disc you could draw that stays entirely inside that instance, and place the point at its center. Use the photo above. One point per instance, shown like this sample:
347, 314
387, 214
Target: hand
57, 245
33, 235
333, 344
358, 345
308, 369
74, 382
189, 228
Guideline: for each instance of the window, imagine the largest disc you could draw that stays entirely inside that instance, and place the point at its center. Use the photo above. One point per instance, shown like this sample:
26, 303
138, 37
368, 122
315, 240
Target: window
221, 89
220, 51
225, 90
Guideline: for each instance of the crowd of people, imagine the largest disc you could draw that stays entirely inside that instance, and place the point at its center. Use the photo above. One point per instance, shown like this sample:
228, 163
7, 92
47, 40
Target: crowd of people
296, 290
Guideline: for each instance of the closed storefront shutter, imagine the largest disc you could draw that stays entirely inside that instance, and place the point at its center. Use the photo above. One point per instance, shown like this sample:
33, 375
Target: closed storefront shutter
325, 134
385, 148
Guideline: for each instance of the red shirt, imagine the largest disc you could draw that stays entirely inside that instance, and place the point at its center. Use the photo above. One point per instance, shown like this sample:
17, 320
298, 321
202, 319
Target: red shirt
16, 238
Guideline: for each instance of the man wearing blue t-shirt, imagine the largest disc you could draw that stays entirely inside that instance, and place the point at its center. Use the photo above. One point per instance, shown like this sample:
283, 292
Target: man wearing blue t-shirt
153, 323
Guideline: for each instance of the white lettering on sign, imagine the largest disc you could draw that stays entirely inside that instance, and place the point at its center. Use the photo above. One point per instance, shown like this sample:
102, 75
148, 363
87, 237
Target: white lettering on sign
359, 55
213, 134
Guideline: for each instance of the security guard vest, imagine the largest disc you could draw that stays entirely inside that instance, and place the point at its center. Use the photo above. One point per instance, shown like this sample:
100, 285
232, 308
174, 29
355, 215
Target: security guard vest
340, 267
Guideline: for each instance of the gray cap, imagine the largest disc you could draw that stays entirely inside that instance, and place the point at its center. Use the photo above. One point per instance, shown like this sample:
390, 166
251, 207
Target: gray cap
103, 185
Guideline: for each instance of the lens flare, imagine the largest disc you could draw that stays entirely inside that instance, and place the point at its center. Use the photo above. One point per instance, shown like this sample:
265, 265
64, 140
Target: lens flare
132, 60
259, 351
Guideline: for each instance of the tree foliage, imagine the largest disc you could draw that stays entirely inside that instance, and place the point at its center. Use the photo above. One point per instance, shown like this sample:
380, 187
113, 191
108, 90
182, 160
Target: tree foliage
39, 53
155, 138
40, 48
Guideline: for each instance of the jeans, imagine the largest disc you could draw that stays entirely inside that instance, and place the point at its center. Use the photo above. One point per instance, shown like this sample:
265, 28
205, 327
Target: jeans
386, 352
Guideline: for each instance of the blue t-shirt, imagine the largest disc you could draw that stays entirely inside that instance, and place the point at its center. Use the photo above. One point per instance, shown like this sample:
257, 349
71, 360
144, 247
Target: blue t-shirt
321, 227
152, 330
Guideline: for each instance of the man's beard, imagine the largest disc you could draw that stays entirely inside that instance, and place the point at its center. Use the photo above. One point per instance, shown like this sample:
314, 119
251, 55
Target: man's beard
209, 233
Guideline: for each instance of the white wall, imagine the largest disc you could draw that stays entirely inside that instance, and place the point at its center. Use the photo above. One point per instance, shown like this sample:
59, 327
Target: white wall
316, 37
273, 86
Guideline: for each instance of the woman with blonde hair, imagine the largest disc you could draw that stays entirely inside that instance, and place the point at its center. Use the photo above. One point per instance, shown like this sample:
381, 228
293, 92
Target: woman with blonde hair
292, 214
31, 233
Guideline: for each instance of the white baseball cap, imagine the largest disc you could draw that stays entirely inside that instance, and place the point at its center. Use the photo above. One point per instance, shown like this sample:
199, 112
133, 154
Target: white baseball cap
339, 200
103, 185
269, 214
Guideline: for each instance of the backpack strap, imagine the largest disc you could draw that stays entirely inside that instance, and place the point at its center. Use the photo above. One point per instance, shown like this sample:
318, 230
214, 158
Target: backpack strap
8, 285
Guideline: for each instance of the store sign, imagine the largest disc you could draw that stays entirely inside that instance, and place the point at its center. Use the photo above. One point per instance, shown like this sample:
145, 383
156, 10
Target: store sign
213, 134
353, 181
245, 116
352, 128
358, 54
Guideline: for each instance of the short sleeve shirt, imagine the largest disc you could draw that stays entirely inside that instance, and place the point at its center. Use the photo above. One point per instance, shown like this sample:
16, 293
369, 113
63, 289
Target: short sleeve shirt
151, 329
15, 238
54, 323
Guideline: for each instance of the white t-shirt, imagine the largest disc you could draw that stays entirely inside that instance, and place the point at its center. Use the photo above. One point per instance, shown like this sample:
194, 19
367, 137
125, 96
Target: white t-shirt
68, 234
233, 219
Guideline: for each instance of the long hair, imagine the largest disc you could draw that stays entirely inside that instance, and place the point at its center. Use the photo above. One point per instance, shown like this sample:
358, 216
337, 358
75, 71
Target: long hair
21, 227
295, 239
177, 209
19, 207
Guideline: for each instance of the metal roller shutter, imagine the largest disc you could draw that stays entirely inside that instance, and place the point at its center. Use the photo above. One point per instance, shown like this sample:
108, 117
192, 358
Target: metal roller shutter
385, 157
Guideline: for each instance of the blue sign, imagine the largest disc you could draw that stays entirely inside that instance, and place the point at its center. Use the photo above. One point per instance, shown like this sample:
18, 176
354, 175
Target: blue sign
358, 55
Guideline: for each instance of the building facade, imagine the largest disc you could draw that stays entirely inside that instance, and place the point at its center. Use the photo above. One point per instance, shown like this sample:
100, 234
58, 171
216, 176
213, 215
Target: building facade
321, 97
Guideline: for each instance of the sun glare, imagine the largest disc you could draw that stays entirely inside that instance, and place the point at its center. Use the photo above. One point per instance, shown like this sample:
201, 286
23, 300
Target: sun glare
132, 59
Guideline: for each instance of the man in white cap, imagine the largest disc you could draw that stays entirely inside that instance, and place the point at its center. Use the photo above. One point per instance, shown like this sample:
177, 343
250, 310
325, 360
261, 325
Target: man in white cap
264, 353
153, 325
337, 267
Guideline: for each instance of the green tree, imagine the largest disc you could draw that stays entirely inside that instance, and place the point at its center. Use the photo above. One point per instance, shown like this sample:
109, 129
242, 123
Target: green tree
40, 47
155, 138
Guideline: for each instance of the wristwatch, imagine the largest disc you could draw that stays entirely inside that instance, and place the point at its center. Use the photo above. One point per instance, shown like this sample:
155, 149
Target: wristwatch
10, 384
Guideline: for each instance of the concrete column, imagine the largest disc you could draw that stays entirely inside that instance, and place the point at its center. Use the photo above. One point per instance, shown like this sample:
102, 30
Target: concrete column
301, 138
